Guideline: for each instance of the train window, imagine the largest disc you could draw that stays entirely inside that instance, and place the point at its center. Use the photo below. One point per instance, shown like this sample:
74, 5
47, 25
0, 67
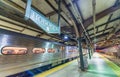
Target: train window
51, 50
14, 50
38, 50
62, 48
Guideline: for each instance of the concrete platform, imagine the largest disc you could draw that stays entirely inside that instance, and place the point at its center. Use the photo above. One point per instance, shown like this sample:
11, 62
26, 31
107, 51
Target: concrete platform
98, 67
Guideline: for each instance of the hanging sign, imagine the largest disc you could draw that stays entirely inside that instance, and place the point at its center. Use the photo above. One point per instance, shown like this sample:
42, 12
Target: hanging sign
40, 19
43, 22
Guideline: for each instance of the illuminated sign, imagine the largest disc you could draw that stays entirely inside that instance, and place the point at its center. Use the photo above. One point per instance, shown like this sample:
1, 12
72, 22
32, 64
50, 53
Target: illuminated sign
43, 22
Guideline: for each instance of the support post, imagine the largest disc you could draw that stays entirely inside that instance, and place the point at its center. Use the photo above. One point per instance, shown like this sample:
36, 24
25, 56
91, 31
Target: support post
92, 50
78, 36
59, 11
88, 46
89, 52
81, 53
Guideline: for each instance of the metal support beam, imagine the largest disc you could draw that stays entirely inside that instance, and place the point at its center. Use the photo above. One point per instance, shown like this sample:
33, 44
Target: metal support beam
92, 51
87, 43
59, 8
93, 28
76, 24
96, 30
74, 18
47, 1
79, 20
81, 53
114, 30
108, 21
105, 23
94, 18
50, 13
101, 35
89, 51
116, 4
101, 31
15, 5
79, 39
100, 15
10, 28
79, 10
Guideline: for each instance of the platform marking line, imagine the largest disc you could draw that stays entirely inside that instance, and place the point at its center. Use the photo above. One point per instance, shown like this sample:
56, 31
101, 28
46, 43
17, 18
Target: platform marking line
46, 73
114, 67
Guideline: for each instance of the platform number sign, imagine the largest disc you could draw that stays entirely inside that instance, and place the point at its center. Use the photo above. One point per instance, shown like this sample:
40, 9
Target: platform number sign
40, 20
43, 22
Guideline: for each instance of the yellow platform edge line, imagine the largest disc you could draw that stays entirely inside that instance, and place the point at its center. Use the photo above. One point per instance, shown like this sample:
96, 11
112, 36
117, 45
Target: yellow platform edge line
46, 73
114, 67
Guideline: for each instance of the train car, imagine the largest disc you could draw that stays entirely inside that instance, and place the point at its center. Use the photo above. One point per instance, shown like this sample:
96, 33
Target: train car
22, 55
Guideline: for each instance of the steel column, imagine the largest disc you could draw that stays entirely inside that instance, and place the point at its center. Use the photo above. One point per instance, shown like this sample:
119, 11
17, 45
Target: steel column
48, 2
59, 11
81, 53
79, 39
92, 50
89, 52
88, 46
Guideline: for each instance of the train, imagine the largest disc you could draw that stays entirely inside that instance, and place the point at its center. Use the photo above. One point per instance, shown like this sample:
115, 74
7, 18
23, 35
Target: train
24, 56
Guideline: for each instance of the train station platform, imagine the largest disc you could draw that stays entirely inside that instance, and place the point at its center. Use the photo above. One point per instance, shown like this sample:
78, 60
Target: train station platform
99, 66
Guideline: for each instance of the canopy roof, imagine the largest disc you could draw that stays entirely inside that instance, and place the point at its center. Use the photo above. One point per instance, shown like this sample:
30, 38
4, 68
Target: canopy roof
73, 12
